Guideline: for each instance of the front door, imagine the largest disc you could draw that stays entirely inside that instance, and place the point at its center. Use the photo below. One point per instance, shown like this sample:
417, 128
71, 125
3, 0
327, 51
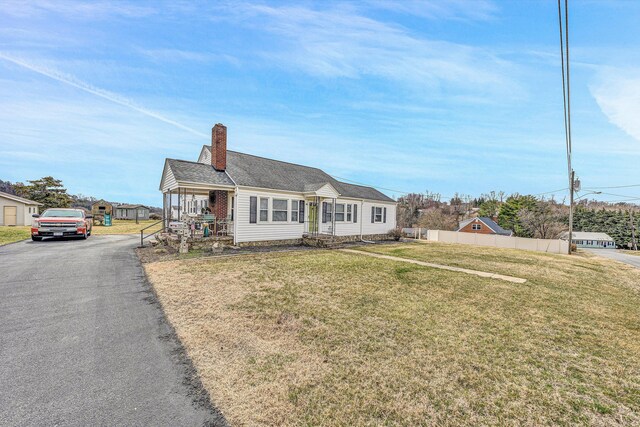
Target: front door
313, 217
10, 215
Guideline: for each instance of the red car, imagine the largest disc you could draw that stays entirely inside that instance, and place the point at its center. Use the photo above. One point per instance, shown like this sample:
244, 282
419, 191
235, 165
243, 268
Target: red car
60, 222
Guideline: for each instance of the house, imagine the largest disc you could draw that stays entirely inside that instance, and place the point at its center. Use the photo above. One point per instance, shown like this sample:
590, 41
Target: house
135, 212
262, 199
588, 239
483, 225
101, 207
16, 210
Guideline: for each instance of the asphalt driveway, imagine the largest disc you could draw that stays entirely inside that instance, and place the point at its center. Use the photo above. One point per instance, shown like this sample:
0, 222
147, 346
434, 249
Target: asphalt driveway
633, 260
83, 342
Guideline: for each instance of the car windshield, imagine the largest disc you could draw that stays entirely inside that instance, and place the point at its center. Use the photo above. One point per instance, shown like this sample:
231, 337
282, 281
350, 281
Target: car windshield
61, 213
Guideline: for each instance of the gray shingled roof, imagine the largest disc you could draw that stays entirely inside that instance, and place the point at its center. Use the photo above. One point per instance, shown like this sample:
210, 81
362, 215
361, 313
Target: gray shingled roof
253, 171
489, 223
198, 172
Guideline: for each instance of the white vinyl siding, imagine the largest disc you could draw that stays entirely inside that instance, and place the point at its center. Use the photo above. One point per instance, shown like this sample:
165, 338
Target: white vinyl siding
264, 230
169, 181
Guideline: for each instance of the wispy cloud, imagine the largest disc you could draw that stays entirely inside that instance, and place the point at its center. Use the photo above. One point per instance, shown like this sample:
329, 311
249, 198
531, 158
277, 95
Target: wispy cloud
618, 96
478, 10
76, 9
110, 96
344, 43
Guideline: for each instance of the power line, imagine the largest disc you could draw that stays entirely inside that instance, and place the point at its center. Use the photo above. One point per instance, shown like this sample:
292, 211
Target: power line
615, 186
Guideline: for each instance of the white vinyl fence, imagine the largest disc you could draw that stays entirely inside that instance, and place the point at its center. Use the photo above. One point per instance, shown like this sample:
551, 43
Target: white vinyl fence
540, 245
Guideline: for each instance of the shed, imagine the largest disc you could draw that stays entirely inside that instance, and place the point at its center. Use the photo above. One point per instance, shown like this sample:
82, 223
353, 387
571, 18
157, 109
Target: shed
134, 212
102, 207
15, 210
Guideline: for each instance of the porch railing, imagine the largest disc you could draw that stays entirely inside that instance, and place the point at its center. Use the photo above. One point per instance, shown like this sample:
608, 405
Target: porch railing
142, 235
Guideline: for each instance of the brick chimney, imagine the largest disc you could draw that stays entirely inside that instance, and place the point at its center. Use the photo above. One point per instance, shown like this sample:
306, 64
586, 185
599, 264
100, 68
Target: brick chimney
219, 147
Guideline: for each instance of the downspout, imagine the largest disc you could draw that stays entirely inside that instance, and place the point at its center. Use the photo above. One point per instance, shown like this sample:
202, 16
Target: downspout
235, 216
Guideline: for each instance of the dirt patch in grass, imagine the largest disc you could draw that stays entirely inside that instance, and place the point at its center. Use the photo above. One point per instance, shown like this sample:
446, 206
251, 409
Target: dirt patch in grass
14, 234
324, 337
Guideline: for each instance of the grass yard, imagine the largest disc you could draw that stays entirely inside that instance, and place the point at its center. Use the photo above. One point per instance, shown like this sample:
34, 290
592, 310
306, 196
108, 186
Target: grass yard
327, 337
126, 227
636, 253
14, 234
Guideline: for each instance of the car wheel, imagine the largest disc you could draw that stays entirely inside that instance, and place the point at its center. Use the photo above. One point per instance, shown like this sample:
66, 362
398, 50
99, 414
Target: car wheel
36, 239
84, 236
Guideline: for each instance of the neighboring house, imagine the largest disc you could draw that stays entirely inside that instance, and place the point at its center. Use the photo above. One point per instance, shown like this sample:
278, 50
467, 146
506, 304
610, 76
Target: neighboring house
102, 207
139, 212
588, 239
16, 210
266, 200
483, 225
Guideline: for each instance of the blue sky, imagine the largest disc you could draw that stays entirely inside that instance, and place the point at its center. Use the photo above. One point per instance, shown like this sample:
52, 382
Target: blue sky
417, 95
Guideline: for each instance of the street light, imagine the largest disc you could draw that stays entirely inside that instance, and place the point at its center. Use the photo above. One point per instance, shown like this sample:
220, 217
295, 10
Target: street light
588, 194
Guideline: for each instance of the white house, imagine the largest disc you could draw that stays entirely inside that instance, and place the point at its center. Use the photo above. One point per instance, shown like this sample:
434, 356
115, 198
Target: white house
268, 200
16, 210
588, 239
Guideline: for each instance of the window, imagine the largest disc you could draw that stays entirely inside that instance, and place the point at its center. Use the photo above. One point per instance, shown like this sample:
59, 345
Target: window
253, 210
294, 211
340, 212
349, 213
376, 214
476, 226
140, 212
355, 213
280, 209
327, 212
264, 209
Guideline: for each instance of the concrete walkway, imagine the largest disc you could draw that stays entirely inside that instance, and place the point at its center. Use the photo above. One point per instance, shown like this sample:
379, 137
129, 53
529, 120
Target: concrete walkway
632, 260
439, 266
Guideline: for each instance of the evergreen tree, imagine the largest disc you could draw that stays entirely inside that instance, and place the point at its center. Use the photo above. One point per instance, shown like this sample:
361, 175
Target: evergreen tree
47, 190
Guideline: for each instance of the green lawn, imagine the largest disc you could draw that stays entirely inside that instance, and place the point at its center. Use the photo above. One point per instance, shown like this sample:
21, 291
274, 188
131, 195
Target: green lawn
327, 337
126, 227
14, 234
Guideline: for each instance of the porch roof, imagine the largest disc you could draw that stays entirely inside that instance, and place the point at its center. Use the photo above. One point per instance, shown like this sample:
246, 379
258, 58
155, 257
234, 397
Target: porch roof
200, 173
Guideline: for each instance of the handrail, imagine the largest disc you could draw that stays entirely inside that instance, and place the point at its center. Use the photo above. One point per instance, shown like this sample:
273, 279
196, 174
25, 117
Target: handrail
142, 236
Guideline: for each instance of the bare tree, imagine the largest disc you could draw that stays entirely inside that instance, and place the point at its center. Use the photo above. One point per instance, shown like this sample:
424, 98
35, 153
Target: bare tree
435, 219
544, 220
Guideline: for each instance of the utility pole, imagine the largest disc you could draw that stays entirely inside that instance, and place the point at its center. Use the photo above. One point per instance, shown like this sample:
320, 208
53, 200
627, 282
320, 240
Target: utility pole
571, 191
634, 245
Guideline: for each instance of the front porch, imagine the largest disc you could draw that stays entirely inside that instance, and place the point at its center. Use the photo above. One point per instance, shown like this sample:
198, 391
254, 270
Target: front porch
199, 212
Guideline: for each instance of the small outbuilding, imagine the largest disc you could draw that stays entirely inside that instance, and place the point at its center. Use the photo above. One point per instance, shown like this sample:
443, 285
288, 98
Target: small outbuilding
139, 212
16, 210
101, 207
589, 239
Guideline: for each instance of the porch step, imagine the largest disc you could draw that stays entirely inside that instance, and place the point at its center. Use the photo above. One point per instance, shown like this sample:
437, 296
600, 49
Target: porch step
321, 241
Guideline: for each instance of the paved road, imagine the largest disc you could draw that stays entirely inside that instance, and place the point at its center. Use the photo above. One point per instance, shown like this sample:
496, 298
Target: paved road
633, 260
82, 341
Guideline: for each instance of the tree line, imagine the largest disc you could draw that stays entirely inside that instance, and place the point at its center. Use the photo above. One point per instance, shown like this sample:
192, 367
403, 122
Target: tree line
52, 194
525, 215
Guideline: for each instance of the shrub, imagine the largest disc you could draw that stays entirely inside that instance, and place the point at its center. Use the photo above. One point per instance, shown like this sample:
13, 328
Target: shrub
155, 216
396, 233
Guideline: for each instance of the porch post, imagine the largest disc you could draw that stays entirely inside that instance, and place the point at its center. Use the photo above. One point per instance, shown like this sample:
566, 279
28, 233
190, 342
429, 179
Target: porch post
179, 211
333, 218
